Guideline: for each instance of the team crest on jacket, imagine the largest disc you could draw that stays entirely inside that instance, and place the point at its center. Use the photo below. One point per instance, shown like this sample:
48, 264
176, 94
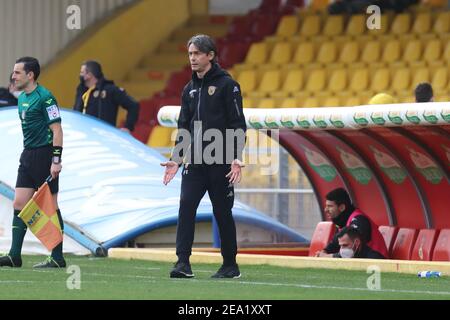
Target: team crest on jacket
211, 90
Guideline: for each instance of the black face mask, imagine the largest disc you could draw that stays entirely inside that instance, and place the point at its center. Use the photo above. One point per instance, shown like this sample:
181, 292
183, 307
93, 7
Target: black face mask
82, 80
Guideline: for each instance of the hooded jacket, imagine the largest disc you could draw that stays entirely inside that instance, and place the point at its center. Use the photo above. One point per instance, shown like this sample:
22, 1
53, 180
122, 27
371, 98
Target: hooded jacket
213, 102
104, 102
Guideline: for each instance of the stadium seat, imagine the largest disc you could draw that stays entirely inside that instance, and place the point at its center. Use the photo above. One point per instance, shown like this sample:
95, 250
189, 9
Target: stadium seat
384, 27
281, 53
270, 82
381, 80
338, 81
310, 27
401, 80
304, 54
442, 248
247, 80
420, 75
287, 28
404, 244
293, 83
334, 26
266, 103
423, 249
422, 23
401, 24
311, 102
289, 103
257, 54
356, 26
442, 23
360, 80
433, 51
389, 234
160, 137
316, 81
371, 52
331, 102
446, 55
412, 52
327, 53
322, 235
391, 52
440, 80
349, 53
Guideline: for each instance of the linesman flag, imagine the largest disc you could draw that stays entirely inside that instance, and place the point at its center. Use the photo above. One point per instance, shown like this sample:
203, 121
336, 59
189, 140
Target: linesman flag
40, 216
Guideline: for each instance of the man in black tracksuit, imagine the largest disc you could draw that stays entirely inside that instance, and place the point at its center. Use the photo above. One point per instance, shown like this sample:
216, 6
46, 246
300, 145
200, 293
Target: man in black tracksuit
101, 98
213, 101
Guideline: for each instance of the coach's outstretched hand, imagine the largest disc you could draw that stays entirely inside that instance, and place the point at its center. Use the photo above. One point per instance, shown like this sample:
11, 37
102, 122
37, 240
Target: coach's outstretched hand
171, 171
234, 175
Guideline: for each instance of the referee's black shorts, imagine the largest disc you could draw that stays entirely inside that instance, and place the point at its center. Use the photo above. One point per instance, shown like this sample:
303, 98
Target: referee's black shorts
34, 168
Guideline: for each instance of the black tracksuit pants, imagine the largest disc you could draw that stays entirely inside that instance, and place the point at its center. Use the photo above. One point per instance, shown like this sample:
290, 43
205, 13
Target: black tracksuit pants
196, 180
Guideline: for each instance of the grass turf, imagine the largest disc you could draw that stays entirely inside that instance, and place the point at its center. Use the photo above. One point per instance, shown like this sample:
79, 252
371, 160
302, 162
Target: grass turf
104, 278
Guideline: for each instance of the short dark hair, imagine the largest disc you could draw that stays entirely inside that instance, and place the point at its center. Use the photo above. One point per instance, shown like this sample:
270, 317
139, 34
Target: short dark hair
204, 44
340, 196
352, 232
95, 68
423, 92
30, 64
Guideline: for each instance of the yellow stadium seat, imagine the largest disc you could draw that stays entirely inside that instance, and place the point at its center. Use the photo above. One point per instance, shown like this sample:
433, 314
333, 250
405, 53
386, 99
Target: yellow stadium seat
352, 101
281, 53
401, 80
247, 80
249, 102
420, 75
290, 103
121, 116
320, 4
160, 137
391, 52
401, 24
357, 25
287, 27
311, 102
310, 27
257, 54
349, 53
384, 26
316, 81
442, 98
422, 23
360, 80
270, 82
304, 54
412, 52
334, 26
381, 80
327, 53
442, 23
433, 50
331, 102
371, 52
408, 99
440, 80
446, 55
266, 103
292, 84
338, 81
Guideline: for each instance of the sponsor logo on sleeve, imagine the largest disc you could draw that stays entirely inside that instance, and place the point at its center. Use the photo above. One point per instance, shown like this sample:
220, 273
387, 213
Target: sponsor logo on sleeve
53, 112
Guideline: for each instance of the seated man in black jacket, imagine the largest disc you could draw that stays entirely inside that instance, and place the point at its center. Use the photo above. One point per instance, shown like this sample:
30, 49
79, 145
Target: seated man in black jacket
101, 98
352, 245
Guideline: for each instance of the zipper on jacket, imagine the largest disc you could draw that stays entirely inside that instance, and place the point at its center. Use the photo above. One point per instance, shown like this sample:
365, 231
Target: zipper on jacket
198, 115
237, 108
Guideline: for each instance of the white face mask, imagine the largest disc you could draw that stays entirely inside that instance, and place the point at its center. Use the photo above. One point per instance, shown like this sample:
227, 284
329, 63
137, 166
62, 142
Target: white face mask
346, 253
17, 94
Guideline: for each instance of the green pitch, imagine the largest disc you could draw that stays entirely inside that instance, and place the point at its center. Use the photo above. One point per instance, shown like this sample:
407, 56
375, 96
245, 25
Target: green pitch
103, 278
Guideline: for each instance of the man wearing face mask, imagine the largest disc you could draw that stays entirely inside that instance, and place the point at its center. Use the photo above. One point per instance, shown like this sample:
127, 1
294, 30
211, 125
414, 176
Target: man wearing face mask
8, 96
101, 98
352, 245
342, 212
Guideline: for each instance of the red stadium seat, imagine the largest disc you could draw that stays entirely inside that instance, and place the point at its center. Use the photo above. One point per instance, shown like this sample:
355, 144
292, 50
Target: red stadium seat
389, 234
423, 249
322, 236
442, 248
404, 244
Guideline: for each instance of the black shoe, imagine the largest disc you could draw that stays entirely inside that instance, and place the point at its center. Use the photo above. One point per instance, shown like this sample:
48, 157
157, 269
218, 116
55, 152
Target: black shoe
8, 261
50, 263
228, 272
181, 270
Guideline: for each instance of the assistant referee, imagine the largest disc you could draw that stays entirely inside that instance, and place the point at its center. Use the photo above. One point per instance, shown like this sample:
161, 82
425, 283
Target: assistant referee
41, 157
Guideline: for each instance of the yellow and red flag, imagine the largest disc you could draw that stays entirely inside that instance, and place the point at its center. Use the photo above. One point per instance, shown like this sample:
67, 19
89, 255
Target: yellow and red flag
41, 218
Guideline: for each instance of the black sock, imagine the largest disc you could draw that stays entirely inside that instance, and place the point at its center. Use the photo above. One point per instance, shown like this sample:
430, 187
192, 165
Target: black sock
57, 252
